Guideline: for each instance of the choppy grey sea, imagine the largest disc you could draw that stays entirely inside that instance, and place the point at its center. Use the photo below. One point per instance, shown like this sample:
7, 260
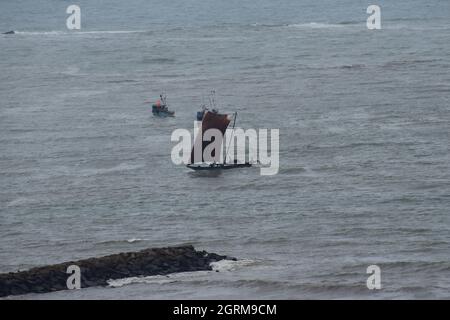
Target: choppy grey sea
364, 120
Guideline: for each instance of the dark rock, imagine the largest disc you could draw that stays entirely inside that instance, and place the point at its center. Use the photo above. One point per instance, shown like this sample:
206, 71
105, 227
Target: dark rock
97, 271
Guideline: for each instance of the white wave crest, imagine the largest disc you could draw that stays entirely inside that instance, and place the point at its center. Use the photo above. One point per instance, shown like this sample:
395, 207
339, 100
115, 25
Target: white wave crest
315, 25
78, 32
230, 265
133, 240
160, 279
219, 266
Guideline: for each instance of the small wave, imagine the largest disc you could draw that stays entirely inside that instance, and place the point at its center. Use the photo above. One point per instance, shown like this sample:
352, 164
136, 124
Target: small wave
263, 25
360, 145
413, 27
133, 240
71, 71
316, 25
120, 167
403, 200
158, 60
263, 66
39, 32
292, 170
352, 66
307, 25
404, 63
20, 202
115, 242
113, 32
413, 266
231, 265
218, 266
151, 279
123, 81
59, 32
346, 23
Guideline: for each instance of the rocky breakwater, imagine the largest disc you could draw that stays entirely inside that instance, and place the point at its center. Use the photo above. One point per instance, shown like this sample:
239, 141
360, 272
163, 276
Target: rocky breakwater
97, 271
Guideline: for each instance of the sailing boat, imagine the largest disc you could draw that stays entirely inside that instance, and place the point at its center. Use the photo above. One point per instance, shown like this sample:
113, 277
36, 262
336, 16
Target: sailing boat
213, 120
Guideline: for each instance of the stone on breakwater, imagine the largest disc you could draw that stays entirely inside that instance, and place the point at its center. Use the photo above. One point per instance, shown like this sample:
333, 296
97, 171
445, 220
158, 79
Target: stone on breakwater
97, 271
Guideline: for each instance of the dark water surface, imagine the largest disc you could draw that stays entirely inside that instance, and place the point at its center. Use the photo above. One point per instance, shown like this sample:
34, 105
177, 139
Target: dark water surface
364, 121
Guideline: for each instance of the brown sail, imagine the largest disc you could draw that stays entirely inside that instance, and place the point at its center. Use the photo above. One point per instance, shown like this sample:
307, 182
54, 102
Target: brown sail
211, 120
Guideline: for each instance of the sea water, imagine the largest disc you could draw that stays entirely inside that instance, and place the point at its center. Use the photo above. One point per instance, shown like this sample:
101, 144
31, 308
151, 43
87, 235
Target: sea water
364, 120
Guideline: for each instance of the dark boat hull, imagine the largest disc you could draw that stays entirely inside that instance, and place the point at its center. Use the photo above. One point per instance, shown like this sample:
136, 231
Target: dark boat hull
162, 112
221, 166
